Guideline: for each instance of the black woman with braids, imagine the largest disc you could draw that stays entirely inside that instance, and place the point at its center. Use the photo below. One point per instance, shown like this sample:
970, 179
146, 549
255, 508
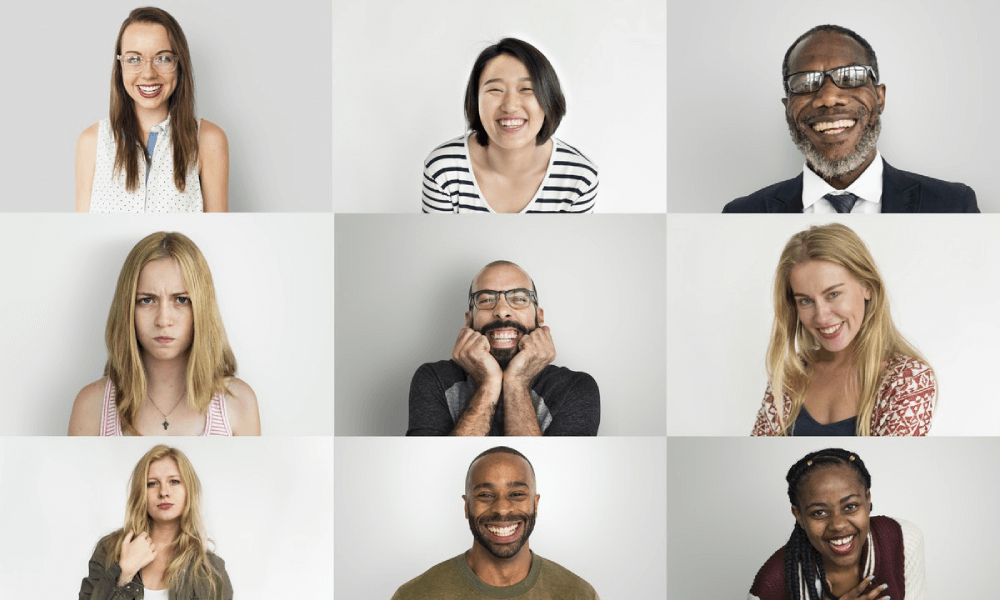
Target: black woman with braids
837, 549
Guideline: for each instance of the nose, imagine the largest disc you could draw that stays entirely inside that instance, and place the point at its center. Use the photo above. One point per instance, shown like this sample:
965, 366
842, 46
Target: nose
502, 310
147, 69
839, 522
829, 94
164, 315
164, 492
511, 101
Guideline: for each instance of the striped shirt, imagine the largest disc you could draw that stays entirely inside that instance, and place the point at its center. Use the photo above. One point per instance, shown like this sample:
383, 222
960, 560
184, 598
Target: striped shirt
216, 419
570, 183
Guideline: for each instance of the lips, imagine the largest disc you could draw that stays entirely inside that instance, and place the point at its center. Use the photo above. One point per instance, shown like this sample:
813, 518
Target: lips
504, 533
164, 340
149, 91
831, 331
512, 124
503, 338
164, 506
833, 127
843, 545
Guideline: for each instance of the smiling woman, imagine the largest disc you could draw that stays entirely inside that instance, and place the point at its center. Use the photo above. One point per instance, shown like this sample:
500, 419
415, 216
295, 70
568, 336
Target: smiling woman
166, 343
509, 162
837, 549
152, 154
161, 552
836, 360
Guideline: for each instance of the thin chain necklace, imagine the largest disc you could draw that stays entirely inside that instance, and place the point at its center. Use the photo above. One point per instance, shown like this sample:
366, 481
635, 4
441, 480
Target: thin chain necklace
166, 423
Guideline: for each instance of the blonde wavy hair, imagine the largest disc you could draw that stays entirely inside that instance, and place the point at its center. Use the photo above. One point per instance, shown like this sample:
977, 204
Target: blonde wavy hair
189, 558
792, 349
210, 359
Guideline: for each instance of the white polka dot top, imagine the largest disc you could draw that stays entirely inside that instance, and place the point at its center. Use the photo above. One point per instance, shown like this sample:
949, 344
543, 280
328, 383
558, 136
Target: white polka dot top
156, 192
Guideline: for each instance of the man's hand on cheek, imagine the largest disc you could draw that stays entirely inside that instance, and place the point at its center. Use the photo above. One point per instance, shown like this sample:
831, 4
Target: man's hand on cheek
472, 353
535, 352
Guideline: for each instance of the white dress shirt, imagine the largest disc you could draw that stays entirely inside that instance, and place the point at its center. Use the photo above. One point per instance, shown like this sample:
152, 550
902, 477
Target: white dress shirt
867, 187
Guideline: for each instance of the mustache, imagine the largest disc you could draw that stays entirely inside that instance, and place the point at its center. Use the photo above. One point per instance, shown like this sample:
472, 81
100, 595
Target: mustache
495, 518
503, 325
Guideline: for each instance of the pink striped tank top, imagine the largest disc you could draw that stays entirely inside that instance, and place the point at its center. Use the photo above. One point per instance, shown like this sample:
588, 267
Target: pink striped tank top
216, 420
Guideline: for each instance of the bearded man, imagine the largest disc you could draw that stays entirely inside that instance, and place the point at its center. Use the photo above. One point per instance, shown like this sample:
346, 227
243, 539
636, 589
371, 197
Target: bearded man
501, 504
833, 105
499, 380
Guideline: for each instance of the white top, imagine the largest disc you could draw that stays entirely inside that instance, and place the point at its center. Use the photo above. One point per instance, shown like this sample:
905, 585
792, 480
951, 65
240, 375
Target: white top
149, 594
158, 194
570, 183
867, 187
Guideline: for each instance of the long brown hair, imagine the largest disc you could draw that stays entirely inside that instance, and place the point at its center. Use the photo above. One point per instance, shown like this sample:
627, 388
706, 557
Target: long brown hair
124, 122
210, 359
792, 350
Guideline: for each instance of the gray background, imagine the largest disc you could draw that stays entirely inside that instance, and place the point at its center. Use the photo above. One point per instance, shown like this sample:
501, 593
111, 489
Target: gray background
601, 513
274, 284
262, 75
402, 286
402, 67
940, 275
728, 136
266, 502
729, 510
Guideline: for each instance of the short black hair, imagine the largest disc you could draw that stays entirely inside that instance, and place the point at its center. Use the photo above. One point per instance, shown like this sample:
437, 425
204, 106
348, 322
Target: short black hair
543, 79
497, 450
869, 51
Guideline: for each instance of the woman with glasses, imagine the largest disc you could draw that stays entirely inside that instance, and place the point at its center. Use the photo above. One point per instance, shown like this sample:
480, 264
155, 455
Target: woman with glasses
162, 550
836, 363
152, 154
170, 369
837, 549
509, 162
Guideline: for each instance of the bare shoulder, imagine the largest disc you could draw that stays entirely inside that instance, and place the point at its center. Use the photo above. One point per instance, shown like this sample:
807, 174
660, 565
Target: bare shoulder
86, 416
241, 405
88, 139
211, 137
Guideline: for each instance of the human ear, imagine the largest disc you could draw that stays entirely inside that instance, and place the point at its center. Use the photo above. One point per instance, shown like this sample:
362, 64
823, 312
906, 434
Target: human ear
868, 292
798, 517
468, 318
465, 505
540, 316
880, 94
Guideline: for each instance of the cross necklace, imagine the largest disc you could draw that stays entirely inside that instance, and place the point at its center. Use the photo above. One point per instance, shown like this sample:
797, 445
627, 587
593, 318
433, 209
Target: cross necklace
166, 423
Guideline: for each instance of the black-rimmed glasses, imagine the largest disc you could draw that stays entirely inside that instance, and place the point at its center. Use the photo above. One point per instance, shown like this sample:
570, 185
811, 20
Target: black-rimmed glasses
487, 299
848, 77
162, 63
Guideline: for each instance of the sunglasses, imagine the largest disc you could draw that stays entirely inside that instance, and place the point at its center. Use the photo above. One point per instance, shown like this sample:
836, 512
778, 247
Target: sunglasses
808, 82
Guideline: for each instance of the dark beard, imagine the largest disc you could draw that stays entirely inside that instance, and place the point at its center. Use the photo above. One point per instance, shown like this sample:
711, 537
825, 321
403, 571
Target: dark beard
502, 550
503, 356
829, 169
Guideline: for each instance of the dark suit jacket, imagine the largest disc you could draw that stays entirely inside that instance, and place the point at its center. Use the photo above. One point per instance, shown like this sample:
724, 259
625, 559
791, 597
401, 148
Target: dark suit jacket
902, 192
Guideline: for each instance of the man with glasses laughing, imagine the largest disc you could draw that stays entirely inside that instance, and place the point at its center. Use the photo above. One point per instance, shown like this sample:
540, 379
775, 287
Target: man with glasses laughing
833, 105
499, 380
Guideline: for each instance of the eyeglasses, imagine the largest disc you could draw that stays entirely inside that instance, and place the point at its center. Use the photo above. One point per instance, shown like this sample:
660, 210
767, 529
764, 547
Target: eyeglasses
487, 299
135, 63
848, 77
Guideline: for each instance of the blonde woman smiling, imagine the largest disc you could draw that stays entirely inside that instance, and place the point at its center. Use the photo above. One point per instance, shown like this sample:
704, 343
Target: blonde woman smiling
152, 154
837, 365
170, 369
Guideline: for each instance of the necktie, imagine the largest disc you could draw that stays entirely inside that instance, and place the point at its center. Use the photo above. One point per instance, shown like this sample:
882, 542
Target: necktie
842, 203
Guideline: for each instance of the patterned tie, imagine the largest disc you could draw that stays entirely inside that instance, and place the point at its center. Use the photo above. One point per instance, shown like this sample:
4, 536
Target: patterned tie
842, 203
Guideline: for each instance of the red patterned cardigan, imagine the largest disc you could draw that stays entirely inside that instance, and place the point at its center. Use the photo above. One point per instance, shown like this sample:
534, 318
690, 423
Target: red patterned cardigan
905, 402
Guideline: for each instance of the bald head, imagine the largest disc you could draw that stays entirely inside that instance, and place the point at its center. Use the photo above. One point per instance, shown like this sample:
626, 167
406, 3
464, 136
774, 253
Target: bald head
502, 269
499, 461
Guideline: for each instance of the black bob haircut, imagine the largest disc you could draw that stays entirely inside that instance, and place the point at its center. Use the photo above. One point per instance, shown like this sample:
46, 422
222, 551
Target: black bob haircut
543, 79
869, 51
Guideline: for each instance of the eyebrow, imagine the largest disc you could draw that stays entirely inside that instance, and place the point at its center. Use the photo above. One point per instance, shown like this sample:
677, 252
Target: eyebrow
140, 53
489, 81
491, 486
155, 295
842, 500
829, 289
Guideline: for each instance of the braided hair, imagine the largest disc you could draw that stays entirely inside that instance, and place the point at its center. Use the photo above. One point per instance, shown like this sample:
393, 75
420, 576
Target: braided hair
803, 563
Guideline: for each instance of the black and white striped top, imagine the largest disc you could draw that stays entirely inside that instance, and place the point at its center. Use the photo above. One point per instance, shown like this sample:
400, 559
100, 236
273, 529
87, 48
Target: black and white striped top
570, 183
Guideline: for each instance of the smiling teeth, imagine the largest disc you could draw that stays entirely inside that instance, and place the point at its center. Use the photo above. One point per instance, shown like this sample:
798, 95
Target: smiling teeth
503, 335
827, 125
503, 531
149, 89
842, 541
512, 122
831, 329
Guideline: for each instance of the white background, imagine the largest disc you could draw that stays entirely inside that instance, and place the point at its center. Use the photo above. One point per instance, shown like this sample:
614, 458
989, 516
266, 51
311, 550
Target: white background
401, 69
402, 293
262, 75
729, 509
274, 284
728, 135
601, 513
941, 278
266, 502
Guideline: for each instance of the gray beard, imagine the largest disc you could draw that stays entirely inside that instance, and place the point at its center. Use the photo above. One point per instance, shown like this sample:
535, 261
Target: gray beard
829, 169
